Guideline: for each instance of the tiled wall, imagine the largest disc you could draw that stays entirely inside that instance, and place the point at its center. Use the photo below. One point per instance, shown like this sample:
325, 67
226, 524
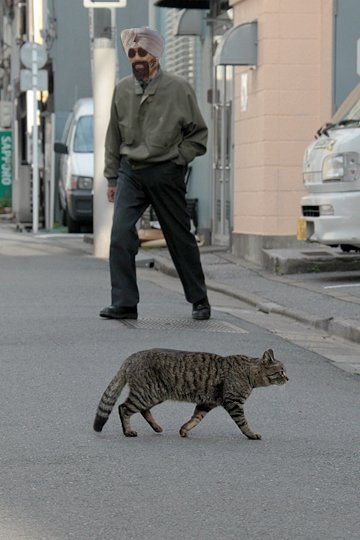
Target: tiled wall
289, 97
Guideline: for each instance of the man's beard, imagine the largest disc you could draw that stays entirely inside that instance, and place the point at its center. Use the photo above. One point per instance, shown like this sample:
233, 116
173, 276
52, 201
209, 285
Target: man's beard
141, 70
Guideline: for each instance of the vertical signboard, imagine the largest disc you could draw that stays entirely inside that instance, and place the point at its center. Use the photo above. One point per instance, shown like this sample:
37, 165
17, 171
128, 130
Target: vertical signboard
6, 152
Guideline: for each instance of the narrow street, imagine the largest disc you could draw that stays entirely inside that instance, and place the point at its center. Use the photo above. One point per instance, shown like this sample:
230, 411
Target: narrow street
130, 123
60, 480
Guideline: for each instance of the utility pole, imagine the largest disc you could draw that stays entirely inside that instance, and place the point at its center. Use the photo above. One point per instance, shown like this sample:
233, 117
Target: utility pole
102, 28
103, 77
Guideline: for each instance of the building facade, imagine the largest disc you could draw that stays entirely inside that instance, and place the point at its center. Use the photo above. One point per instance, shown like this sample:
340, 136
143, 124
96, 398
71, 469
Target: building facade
262, 109
279, 105
64, 29
265, 111
191, 29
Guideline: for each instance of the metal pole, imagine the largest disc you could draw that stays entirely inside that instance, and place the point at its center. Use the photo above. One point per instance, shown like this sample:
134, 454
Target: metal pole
223, 154
35, 179
52, 175
214, 116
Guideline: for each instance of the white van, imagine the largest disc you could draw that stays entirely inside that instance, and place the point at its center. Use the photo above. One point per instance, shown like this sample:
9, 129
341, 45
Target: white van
76, 167
331, 209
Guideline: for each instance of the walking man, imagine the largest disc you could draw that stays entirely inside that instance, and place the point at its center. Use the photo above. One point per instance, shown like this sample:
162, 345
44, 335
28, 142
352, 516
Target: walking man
155, 130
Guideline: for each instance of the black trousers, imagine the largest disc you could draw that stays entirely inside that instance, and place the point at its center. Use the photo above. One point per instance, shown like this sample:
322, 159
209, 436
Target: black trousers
163, 186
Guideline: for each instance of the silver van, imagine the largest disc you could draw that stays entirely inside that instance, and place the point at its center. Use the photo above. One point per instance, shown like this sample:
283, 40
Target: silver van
330, 210
76, 167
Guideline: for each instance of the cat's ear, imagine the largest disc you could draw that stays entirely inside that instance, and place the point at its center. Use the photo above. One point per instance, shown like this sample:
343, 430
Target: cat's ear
268, 356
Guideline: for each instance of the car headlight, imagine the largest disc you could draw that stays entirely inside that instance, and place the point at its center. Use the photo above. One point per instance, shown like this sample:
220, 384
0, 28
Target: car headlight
81, 182
341, 167
326, 210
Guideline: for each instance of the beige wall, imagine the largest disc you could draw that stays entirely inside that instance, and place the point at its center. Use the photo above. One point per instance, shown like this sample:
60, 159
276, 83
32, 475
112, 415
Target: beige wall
289, 97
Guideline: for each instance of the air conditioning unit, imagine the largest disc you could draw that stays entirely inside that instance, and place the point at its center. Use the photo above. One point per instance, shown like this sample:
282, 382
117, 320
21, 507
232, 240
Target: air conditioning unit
5, 114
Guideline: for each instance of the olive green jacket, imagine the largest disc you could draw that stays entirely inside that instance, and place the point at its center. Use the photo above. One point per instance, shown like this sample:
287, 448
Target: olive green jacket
159, 124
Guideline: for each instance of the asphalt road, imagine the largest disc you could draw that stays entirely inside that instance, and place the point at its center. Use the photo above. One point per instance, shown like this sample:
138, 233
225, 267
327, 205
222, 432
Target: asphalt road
59, 480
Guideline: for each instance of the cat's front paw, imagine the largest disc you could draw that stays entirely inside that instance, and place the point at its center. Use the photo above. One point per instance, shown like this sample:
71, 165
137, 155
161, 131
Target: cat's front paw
183, 432
130, 433
253, 436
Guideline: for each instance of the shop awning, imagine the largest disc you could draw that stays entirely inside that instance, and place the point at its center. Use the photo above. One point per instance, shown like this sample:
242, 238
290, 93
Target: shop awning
238, 46
189, 23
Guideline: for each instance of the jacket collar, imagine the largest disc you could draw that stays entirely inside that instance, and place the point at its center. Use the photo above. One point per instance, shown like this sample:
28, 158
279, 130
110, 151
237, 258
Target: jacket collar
151, 87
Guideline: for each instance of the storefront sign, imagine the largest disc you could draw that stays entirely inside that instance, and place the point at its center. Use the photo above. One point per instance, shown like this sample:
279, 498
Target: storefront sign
6, 150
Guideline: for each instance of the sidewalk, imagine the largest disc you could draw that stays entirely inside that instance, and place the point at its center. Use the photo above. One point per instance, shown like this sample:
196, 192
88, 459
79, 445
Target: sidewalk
303, 297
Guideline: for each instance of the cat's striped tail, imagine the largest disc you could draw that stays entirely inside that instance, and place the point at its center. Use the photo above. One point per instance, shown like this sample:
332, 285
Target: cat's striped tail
108, 399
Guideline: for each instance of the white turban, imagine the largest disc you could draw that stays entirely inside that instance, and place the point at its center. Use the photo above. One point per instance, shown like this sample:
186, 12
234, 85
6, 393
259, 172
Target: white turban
144, 37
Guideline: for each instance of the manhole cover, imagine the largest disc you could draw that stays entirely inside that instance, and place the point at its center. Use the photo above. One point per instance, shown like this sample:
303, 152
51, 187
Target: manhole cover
186, 324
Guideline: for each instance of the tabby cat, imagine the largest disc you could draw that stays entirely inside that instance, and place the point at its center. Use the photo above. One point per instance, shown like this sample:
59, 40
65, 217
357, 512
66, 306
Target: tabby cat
207, 379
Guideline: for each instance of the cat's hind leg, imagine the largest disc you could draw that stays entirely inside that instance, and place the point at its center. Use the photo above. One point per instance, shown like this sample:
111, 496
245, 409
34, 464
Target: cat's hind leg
151, 421
199, 413
126, 410
137, 403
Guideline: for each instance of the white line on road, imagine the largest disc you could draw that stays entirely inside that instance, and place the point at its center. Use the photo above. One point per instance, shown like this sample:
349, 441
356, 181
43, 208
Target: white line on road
343, 285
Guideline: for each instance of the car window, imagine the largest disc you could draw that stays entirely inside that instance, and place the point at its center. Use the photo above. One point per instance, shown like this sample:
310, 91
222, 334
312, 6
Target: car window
353, 113
350, 108
68, 125
83, 141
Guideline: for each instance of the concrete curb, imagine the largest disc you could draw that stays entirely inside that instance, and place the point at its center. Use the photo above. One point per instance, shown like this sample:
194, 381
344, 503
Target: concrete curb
344, 328
291, 261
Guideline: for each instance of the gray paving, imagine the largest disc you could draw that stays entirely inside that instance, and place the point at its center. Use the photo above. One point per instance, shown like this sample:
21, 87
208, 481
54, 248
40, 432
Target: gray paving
60, 481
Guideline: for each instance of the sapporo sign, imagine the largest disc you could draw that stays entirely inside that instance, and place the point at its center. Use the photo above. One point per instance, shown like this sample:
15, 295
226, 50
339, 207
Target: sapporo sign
6, 149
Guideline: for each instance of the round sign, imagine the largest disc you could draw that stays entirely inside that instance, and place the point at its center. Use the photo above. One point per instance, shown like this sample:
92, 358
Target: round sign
33, 52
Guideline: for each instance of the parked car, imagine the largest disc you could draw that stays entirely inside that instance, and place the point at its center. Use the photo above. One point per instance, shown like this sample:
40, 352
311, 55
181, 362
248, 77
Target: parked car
330, 210
76, 167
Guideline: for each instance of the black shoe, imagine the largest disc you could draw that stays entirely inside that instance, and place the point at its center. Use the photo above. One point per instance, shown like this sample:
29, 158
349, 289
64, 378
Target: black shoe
201, 310
119, 312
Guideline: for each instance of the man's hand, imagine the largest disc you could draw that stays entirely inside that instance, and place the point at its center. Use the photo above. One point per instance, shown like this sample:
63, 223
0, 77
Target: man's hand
111, 190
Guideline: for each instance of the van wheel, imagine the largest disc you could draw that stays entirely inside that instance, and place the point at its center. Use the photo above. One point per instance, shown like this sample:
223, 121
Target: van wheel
73, 226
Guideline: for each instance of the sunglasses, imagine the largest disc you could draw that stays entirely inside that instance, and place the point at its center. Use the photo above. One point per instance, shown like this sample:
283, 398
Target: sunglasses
141, 52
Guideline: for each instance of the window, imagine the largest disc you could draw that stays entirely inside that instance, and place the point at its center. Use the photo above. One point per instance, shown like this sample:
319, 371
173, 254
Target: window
84, 140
